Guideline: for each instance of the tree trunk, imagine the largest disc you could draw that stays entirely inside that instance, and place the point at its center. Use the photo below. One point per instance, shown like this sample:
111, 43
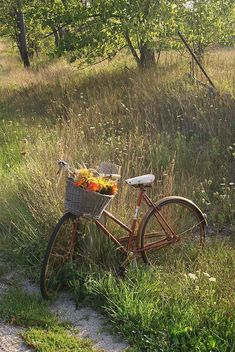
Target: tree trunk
56, 36
147, 56
21, 36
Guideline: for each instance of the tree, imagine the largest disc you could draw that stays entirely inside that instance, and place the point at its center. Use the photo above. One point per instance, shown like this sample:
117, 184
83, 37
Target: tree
13, 23
103, 27
208, 22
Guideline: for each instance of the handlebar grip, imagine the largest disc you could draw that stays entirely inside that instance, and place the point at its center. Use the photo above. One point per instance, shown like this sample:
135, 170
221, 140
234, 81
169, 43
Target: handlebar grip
62, 163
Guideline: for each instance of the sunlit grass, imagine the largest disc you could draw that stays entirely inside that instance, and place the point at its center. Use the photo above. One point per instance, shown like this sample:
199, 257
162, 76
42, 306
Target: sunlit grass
43, 329
54, 340
141, 121
176, 306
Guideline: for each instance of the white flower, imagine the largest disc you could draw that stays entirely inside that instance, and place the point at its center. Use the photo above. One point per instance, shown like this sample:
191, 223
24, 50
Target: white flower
212, 279
192, 276
206, 274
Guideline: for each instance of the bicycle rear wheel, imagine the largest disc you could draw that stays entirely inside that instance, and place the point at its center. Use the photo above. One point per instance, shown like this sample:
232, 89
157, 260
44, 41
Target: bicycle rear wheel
184, 218
58, 256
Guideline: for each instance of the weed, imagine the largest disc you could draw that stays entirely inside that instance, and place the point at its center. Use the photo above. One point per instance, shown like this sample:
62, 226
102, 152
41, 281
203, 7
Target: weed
56, 339
173, 307
142, 121
20, 308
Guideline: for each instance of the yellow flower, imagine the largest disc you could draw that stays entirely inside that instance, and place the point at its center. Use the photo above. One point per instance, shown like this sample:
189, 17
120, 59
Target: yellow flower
82, 174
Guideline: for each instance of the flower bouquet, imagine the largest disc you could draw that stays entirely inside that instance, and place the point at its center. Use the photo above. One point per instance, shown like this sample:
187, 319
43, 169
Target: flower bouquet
87, 194
86, 179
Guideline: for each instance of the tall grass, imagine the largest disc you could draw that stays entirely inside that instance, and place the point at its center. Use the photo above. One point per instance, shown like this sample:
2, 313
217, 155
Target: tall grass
142, 121
177, 306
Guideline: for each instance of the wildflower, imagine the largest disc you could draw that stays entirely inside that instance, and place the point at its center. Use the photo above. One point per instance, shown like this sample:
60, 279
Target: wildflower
93, 187
206, 274
212, 279
192, 276
79, 183
114, 188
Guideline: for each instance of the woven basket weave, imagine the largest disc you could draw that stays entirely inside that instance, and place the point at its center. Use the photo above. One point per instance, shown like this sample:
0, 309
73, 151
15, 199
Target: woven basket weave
80, 202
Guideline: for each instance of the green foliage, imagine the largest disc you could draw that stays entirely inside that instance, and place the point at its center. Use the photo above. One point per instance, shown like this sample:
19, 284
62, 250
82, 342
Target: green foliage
208, 23
138, 119
56, 339
178, 306
45, 332
218, 201
20, 308
137, 24
100, 28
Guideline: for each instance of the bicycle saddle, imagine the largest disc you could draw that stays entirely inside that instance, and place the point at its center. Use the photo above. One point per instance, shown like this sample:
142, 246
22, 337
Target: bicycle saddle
140, 180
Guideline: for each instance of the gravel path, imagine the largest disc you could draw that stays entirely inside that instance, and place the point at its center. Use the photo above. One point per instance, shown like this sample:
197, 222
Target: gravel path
10, 340
87, 322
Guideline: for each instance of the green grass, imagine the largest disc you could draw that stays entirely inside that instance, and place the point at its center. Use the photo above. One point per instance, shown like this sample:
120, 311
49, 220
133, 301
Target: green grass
178, 306
140, 121
44, 331
56, 339
20, 308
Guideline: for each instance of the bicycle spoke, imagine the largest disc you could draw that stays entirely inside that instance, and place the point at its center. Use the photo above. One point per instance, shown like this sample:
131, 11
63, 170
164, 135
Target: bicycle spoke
184, 222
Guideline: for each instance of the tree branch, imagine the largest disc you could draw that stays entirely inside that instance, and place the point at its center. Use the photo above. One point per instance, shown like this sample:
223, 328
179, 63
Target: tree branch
133, 51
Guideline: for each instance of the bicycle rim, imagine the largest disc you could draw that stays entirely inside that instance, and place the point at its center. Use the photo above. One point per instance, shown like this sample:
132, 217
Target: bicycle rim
58, 259
186, 222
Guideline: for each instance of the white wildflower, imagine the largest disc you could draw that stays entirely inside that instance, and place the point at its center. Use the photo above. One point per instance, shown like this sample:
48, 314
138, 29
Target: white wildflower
206, 274
212, 279
192, 276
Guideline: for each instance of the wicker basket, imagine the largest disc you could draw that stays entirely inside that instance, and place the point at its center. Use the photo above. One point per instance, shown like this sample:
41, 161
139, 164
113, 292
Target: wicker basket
80, 202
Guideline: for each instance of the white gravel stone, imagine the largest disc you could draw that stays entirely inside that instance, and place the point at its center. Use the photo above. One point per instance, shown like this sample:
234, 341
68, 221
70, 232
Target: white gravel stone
89, 324
10, 341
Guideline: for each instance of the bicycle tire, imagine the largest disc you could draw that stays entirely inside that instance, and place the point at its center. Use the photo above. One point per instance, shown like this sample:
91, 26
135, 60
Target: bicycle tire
85, 252
186, 220
51, 279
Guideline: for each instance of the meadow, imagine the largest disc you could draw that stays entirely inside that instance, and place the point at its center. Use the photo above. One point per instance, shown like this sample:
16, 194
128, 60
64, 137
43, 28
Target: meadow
155, 121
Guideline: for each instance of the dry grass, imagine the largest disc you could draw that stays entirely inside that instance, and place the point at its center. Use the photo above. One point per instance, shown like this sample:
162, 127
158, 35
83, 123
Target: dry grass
140, 120
154, 121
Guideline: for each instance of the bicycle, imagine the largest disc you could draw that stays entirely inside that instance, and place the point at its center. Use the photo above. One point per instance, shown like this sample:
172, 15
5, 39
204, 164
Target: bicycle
165, 223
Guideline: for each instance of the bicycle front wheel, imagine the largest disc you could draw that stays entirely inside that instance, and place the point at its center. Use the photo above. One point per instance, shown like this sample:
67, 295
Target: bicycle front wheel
58, 255
184, 218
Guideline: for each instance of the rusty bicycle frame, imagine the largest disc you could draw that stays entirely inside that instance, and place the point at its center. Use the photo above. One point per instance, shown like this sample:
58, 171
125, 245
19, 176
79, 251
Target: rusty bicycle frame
171, 237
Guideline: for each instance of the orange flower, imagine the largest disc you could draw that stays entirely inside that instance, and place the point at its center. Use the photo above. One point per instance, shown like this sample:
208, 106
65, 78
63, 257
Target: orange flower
93, 187
114, 188
79, 183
